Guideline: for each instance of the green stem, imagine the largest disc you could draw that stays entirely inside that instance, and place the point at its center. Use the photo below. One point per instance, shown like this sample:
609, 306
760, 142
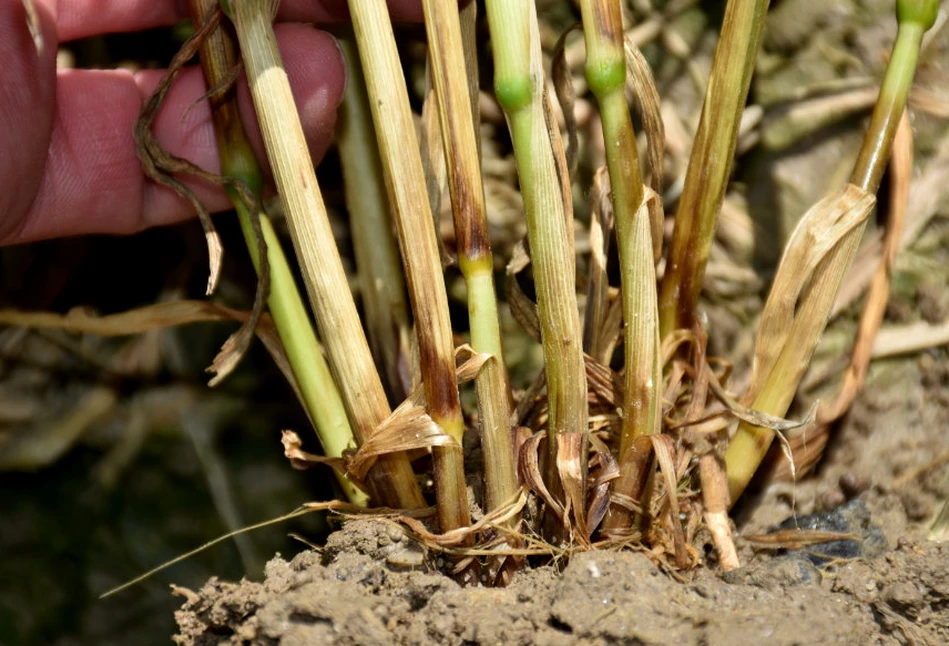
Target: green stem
391, 479
377, 255
606, 76
519, 87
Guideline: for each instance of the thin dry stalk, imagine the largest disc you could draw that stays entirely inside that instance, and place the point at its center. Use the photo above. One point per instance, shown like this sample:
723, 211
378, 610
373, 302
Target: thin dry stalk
715, 495
379, 269
710, 163
405, 180
474, 250
391, 480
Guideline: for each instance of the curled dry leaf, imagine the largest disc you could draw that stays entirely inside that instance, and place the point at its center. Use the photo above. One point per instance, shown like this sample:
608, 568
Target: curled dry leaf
458, 537
603, 471
409, 427
528, 470
300, 459
571, 466
819, 232
161, 167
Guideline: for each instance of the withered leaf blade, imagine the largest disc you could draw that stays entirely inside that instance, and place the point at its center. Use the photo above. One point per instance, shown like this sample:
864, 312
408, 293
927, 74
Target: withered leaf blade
818, 233
300, 459
596, 336
607, 470
665, 456
797, 538
566, 95
571, 467
640, 84
408, 428
528, 468
161, 167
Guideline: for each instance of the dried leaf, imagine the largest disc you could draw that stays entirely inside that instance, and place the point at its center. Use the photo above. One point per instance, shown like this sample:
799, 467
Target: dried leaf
523, 309
136, 321
300, 459
459, 536
153, 317
901, 170
604, 470
161, 167
528, 468
797, 538
640, 84
408, 428
595, 332
567, 96
571, 466
604, 384
626, 492
158, 165
817, 235
665, 456
563, 172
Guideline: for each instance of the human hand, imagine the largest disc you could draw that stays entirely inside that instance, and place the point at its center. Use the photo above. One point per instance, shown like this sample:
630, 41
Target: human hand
68, 164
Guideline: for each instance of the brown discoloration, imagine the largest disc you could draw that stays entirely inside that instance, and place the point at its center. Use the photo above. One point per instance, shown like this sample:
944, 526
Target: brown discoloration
608, 20
464, 180
441, 391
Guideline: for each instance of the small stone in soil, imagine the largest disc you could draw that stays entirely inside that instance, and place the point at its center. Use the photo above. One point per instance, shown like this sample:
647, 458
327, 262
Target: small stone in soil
853, 518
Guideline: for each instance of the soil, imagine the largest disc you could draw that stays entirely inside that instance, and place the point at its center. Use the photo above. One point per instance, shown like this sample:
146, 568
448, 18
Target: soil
371, 584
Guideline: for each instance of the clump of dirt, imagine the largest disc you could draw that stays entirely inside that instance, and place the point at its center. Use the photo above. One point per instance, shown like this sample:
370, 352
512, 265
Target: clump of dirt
360, 594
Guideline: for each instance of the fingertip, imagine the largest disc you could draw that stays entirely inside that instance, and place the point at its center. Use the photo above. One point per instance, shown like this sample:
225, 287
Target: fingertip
27, 103
317, 73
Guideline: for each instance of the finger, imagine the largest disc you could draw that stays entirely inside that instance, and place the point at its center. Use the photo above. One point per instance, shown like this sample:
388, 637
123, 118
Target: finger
82, 18
93, 182
27, 94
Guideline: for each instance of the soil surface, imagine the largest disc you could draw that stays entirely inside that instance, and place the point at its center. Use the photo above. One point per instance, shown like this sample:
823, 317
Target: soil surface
599, 598
372, 585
